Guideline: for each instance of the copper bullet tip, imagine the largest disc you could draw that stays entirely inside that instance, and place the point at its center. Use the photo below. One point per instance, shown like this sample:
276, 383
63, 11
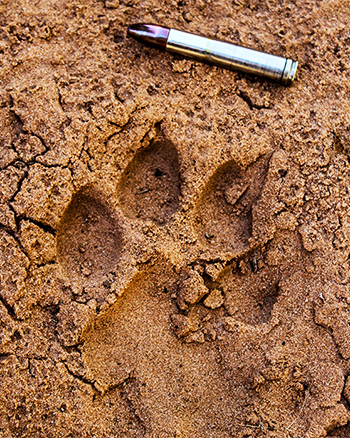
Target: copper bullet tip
150, 34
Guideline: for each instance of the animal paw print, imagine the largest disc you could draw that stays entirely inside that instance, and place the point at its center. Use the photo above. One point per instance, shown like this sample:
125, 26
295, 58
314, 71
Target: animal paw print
224, 210
149, 187
90, 241
156, 342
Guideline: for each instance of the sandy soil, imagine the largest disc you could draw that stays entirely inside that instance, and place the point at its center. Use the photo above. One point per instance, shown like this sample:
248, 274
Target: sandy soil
174, 237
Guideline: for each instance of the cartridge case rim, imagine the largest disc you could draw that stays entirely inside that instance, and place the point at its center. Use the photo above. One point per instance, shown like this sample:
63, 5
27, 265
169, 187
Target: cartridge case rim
289, 72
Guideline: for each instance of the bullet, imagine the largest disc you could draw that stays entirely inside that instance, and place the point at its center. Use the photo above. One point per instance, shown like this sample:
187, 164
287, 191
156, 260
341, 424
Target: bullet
215, 52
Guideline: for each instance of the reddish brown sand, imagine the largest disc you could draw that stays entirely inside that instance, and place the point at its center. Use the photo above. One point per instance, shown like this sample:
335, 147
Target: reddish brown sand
174, 237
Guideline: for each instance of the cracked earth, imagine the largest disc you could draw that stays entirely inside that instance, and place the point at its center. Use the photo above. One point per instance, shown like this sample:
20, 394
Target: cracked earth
174, 237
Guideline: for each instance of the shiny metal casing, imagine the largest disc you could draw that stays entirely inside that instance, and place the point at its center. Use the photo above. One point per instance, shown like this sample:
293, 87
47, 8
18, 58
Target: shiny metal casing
231, 56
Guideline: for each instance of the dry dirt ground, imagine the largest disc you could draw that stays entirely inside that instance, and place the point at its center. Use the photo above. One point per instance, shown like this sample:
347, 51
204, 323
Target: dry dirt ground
174, 237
